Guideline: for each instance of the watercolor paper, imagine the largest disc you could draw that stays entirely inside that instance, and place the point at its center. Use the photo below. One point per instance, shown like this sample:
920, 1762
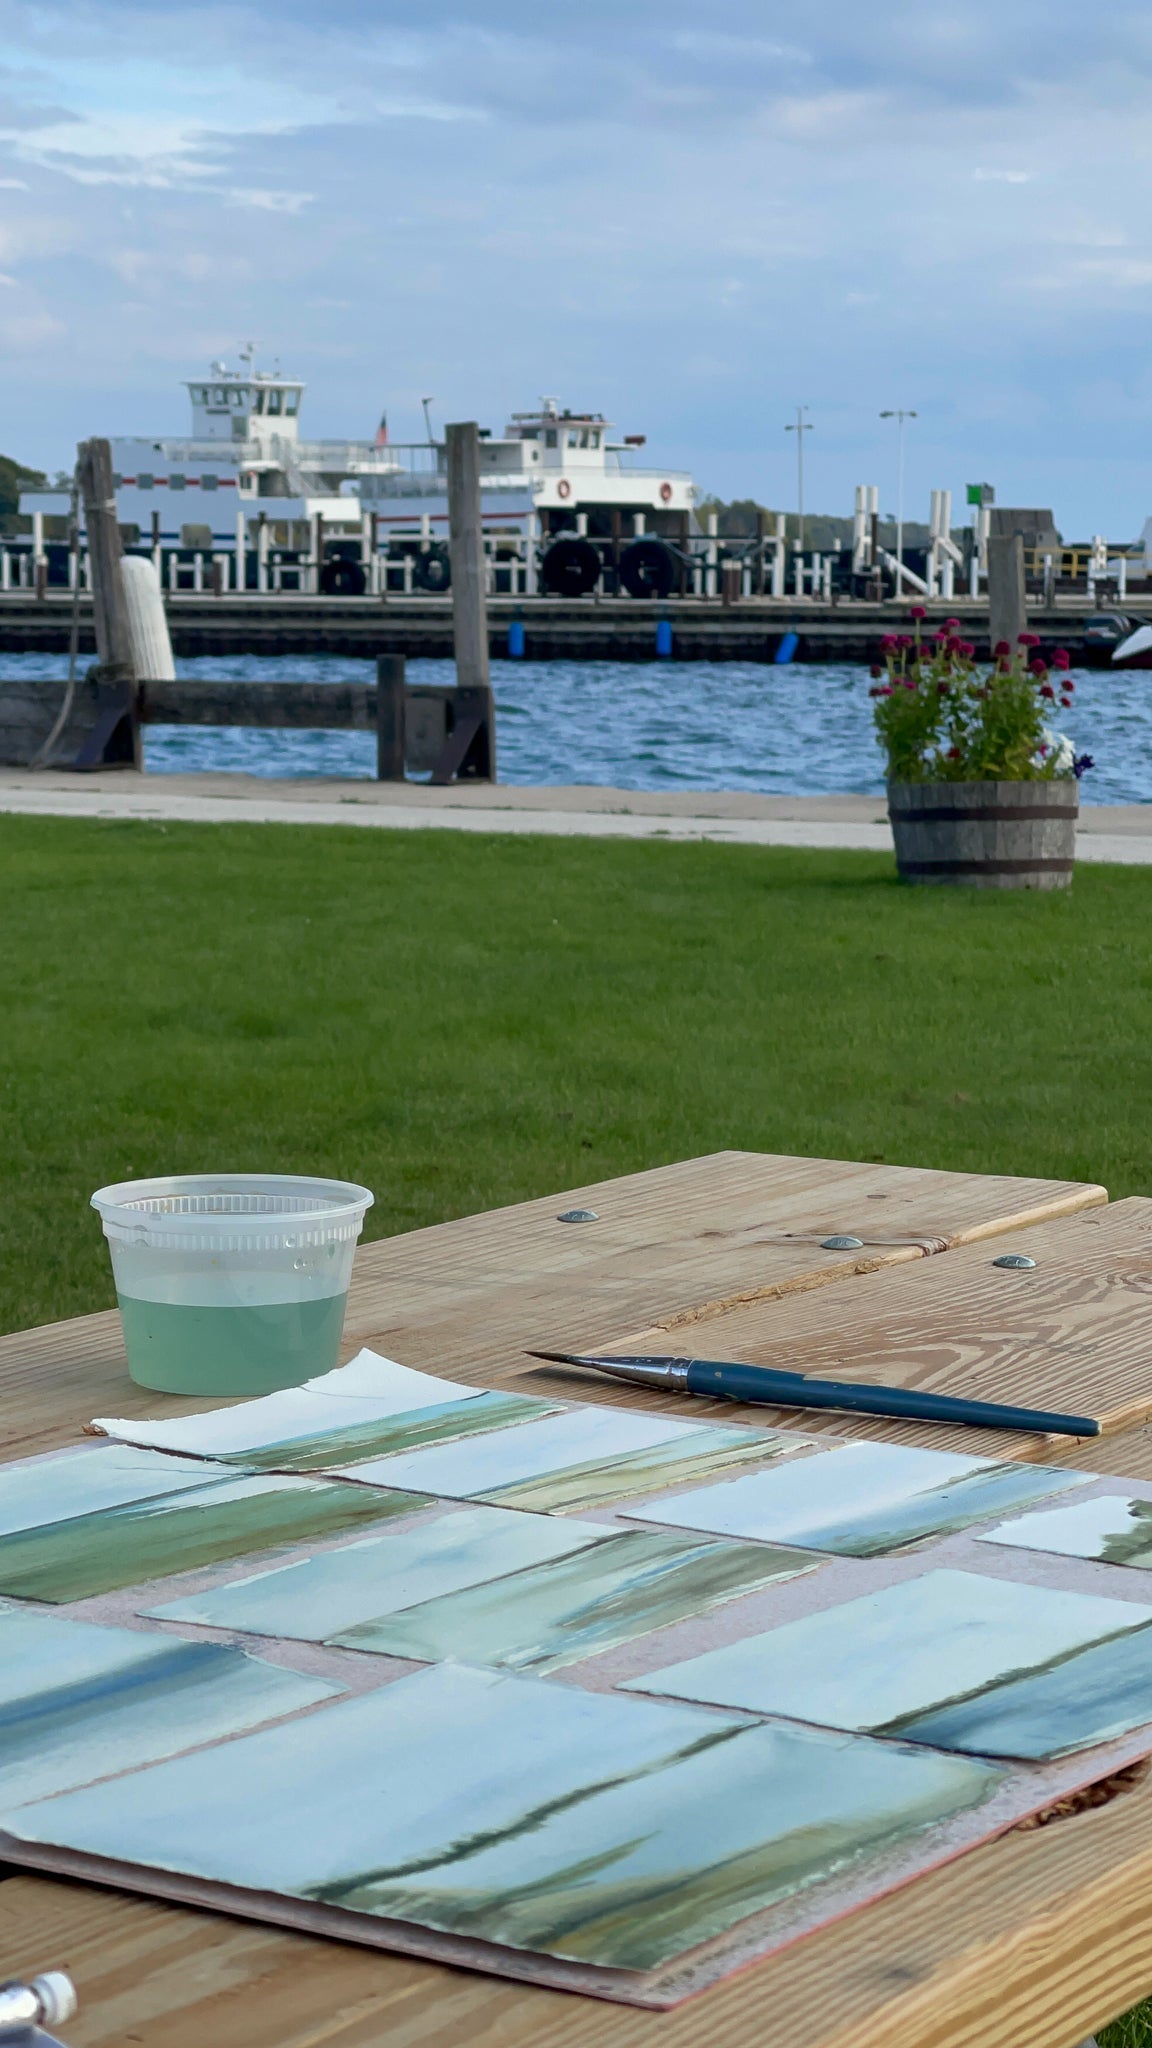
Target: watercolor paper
320, 1596
78, 1702
583, 1459
862, 1500
615, 1832
81, 1482
393, 1433
1111, 1527
1092, 1696
369, 1390
151, 1539
559, 1612
872, 1663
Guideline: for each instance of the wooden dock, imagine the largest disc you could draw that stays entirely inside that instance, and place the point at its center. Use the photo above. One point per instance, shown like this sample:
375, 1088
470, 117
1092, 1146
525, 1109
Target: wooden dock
555, 629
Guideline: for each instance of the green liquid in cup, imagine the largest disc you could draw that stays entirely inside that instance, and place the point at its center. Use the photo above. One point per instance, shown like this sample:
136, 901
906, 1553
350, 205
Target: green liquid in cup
183, 1350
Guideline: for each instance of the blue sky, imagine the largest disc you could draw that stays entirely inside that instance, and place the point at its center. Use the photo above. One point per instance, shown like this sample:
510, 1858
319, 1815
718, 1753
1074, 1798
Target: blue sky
693, 229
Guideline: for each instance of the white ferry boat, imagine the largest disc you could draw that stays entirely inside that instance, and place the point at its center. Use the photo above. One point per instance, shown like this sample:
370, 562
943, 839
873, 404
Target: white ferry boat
245, 502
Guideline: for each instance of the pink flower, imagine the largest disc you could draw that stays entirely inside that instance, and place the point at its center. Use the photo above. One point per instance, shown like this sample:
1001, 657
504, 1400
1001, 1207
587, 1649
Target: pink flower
1038, 668
967, 648
917, 611
1061, 658
1066, 703
875, 669
1001, 647
888, 642
942, 689
1069, 686
904, 641
951, 625
1028, 639
910, 683
1046, 690
953, 754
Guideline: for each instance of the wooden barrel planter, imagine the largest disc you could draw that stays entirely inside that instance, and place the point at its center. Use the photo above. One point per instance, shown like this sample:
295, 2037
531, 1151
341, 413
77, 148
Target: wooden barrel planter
985, 835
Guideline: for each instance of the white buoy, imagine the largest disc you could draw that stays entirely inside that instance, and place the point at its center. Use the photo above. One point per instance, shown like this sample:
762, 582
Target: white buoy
147, 624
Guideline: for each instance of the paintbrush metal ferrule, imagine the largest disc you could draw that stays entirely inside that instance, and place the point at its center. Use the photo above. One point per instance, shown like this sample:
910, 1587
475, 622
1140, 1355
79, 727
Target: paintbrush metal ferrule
669, 1374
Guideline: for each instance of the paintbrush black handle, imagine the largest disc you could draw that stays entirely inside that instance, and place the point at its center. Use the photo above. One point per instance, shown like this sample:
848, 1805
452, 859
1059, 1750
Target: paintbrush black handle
792, 1390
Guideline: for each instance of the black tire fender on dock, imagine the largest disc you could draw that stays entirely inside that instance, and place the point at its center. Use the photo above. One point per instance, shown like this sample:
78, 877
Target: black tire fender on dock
571, 567
432, 569
648, 568
342, 578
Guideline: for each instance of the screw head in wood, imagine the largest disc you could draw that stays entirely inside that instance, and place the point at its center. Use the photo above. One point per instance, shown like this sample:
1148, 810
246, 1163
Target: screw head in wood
578, 1216
841, 1244
1017, 1262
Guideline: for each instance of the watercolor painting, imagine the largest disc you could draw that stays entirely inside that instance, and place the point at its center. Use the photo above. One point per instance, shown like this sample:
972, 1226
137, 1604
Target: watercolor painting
1092, 1696
79, 1702
1111, 1528
875, 1662
369, 1389
556, 1613
611, 1831
392, 1433
81, 1482
861, 1500
317, 1597
152, 1539
586, 1458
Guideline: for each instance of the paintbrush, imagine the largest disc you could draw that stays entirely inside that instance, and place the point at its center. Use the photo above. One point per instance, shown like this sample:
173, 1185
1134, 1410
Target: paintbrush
726, 1380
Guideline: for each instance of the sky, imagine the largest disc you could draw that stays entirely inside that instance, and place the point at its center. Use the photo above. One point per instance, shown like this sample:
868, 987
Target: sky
692, 228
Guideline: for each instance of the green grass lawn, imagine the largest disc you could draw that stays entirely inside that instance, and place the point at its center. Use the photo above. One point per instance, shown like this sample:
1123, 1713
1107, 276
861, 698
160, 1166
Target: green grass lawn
461, 1021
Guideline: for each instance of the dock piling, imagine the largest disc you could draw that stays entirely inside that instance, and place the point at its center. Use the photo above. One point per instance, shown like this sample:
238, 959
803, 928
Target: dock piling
1007, 613
390, 734
469, 596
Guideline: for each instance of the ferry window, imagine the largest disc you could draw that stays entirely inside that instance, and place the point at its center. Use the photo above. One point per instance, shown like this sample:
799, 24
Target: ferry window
594, 441
550, 437
219, 396
199, 395
291, 402
258, 402
238, 397
209, 482
144, 482
274, 401
573, 440
176, 483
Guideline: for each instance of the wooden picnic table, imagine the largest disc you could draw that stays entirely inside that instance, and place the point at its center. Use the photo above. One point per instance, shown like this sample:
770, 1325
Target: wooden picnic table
1032, 1940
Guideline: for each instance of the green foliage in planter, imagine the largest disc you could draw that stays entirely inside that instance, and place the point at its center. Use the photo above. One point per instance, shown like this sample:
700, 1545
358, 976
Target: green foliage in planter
941, 717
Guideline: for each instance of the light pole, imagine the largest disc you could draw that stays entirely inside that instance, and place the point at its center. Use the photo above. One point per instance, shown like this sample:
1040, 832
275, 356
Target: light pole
899, 416
800, 426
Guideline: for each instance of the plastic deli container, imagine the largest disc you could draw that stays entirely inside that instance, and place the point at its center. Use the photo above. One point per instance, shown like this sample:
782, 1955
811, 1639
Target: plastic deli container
231, 1283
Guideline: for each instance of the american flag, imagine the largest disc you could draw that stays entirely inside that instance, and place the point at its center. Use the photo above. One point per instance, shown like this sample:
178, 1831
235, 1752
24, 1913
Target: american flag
382, 431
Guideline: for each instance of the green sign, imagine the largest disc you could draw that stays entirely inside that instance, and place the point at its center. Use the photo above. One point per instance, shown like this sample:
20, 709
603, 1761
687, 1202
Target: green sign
981, 494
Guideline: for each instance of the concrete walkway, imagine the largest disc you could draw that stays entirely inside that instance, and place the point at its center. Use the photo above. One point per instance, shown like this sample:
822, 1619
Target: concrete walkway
1120, 832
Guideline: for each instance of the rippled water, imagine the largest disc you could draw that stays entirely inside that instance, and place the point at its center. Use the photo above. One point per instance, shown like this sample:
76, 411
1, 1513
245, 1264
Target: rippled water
799, 730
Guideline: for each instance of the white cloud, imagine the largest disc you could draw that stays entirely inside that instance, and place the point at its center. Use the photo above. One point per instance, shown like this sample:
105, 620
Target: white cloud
986, 177
269, 202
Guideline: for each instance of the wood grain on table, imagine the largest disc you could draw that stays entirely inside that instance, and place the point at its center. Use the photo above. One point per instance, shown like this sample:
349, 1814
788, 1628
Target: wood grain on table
467, 1297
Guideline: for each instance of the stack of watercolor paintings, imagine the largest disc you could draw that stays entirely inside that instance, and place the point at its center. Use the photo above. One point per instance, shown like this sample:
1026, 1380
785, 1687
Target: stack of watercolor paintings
777, 1697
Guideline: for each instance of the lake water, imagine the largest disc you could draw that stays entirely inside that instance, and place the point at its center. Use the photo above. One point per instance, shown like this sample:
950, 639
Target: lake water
805, 729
